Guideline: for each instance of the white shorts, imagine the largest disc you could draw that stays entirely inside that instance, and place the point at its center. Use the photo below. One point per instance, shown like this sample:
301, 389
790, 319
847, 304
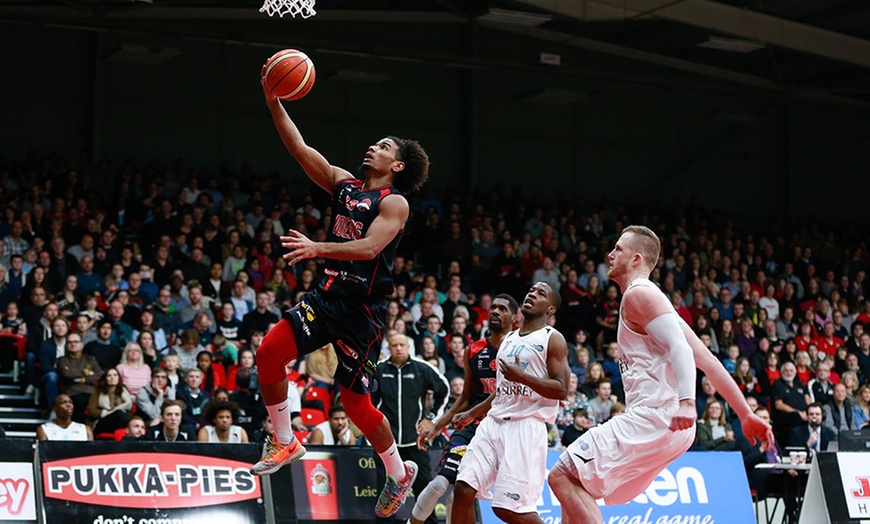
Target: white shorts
508, 457
619, 459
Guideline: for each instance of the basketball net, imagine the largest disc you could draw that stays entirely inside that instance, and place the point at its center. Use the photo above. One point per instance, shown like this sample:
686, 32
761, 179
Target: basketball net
305, 8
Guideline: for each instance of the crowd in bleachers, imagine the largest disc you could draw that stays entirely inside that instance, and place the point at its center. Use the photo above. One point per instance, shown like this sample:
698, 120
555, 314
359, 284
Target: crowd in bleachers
161, 283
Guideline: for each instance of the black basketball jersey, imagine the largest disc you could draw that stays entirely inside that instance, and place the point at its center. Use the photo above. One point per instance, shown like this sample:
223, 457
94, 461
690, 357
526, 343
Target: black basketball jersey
482, 364
354, 211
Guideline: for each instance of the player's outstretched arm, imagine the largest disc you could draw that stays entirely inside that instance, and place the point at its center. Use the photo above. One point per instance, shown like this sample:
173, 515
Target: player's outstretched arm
753, 427
313, 163
390, 220
460, 420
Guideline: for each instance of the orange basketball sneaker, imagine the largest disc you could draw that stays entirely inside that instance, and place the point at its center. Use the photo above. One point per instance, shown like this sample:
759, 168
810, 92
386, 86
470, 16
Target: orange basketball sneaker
278, 455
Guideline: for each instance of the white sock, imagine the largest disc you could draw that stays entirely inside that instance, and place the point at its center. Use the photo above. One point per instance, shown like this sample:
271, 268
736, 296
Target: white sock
392, 461
280, 414
428, 498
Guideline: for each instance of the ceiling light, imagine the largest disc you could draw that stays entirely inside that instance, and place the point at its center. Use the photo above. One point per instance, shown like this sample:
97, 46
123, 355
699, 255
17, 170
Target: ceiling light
507, 16
735, 45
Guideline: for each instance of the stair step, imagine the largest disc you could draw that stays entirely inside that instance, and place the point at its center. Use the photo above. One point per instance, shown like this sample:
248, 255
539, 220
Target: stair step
20, 411
21, 434
16, 400
10, 389
6, 378
21, 424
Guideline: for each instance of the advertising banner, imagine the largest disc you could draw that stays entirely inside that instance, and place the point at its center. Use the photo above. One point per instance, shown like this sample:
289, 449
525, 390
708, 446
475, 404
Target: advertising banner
336, 484
697, 488
17, 486
855, 482
150, 483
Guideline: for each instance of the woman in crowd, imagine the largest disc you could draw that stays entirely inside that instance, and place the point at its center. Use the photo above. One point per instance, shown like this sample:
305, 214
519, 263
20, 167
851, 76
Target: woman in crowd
135, 374
110, 404
12, 323
429, 352
146, 323
246, 360
573, 400
703, 327
213, 377
849, 379
746, 379
726, 334
804, 371
861, 409
593, 374
714, 432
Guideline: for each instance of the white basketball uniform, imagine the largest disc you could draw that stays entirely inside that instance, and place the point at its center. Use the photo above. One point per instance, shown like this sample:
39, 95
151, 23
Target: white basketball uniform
74, 432
508, 453
234, 437
618, 460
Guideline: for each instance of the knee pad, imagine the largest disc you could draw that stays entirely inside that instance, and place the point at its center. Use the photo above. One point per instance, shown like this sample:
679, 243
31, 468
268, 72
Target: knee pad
278, 348
360, 410
428, 498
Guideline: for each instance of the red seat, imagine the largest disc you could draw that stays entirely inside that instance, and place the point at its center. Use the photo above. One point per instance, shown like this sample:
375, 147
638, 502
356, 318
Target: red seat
302, 436
312, 417
321, 394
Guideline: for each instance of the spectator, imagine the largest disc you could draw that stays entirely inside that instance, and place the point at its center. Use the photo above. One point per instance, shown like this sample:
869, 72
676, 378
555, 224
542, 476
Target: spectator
135, 374
110, 404
214, 376
193, 396
166, 315
12, 323
252, 409
228, 325
570, 403
122, 332
198, 304
63, 427
78, 375
838, 412
239, 300
135, 428
579, 425
335, 431
790, 400
89, 280
222, 417
861, 410
170, 428
260, 318
150, 398
49, 351
190, 347
599, 406
714, 432
107, 353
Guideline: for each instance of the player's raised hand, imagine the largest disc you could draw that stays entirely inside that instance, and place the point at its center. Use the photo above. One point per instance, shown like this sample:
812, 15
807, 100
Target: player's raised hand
268, 93
513, 372
757, 430
302, 247
685, 416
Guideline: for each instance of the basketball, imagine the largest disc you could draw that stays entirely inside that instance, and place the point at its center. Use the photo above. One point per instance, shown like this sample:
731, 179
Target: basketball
290, 74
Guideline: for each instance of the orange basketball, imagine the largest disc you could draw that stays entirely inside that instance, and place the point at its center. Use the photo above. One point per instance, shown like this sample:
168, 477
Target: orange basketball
290, 74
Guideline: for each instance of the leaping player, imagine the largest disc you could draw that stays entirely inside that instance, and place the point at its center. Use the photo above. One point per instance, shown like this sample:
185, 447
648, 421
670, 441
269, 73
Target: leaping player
347, 308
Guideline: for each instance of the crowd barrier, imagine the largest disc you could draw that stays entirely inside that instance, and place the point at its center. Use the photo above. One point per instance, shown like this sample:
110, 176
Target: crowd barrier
194, 483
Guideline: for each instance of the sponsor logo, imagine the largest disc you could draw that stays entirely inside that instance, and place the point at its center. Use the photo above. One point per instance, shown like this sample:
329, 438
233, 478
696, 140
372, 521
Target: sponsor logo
584, 459
320, 481
309, 312
411, 376
136, 480
347, 350
863, 490
511, 388
13, 493
537, 347
516, 480
459, 450
512, 496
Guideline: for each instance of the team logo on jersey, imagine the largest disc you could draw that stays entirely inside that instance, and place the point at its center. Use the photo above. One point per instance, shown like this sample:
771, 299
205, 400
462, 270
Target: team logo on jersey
537, 347
351, 204
512, 496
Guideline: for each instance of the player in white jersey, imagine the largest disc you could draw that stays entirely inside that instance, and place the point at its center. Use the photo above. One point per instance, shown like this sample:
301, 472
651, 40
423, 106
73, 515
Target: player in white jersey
63, 427
508, 454
658, 354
